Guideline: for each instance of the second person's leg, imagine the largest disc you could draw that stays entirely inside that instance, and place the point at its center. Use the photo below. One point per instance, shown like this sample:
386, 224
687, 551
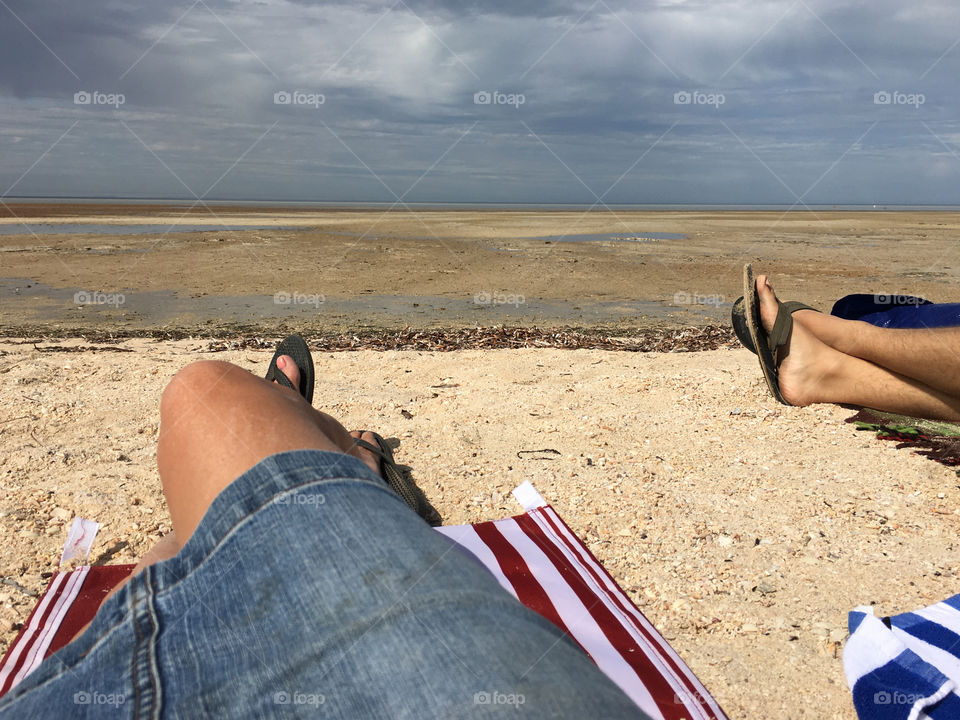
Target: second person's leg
930, 355
810, 371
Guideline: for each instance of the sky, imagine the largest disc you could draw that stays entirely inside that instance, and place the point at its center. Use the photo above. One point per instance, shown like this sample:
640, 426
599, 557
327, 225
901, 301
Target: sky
600, 102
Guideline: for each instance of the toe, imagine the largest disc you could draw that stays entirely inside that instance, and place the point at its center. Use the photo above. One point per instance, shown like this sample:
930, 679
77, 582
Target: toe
768, 302
370, 458
288, 367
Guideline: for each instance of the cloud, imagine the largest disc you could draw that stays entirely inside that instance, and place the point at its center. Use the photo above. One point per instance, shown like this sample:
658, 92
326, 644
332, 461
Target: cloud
398, 79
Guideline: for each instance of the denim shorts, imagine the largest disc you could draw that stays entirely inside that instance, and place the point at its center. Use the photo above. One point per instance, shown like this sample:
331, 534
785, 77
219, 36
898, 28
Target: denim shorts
310, 589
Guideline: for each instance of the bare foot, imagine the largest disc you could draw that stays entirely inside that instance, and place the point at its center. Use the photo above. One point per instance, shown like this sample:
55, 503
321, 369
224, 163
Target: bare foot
805, 362
288, 367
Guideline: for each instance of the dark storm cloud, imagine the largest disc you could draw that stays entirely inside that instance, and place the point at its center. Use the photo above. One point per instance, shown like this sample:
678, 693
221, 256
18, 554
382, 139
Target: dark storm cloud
603, 83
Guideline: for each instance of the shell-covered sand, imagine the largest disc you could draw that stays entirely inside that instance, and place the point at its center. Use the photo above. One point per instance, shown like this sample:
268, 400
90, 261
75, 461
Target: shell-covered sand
744, 530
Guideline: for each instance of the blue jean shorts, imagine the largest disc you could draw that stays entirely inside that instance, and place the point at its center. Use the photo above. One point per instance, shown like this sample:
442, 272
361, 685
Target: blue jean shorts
310, 589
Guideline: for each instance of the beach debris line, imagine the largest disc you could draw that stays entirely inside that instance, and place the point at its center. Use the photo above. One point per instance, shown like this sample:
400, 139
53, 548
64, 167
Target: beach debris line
690, 339
247, 337
80, 348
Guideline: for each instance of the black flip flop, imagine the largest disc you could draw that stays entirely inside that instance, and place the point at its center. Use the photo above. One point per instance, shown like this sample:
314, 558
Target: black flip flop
296, 347
400, 481
738, 318
764, 345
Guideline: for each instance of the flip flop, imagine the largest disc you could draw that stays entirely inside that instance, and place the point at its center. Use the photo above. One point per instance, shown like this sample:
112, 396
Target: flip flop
296, 347
738, 318
765, 346
400, 481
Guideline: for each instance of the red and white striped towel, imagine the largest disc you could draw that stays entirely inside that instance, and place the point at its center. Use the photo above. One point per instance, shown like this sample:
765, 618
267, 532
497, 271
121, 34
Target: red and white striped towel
69, 602
534, 556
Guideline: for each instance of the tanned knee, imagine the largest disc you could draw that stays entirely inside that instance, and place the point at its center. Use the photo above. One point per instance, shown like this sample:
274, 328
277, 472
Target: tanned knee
192, 383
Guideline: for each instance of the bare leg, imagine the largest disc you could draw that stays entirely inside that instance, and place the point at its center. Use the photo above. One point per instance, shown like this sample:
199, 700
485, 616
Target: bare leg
931, 356
218, 420
811, 371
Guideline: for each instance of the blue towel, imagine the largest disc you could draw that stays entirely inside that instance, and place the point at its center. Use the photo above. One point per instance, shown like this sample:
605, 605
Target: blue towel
897, 311
905, 665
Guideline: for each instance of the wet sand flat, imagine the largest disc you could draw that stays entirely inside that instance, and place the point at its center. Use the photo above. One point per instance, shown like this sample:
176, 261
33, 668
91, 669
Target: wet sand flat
352, 268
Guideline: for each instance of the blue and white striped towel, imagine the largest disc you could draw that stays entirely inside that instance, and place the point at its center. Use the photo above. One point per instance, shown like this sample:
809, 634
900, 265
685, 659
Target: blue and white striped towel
905, 667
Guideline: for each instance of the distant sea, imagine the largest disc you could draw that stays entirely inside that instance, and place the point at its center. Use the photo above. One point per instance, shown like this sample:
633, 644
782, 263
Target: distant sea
546, 207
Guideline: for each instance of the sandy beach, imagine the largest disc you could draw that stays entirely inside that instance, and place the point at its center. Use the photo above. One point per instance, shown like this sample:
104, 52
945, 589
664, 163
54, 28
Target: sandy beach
743, 529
